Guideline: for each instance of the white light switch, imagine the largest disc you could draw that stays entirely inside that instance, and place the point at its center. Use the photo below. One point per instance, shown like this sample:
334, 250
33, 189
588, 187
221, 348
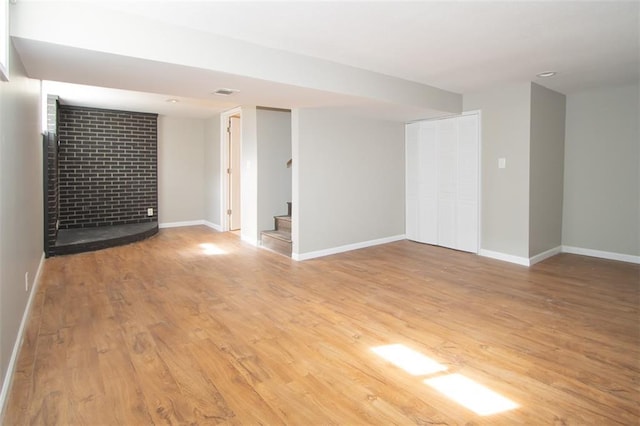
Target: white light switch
502, 163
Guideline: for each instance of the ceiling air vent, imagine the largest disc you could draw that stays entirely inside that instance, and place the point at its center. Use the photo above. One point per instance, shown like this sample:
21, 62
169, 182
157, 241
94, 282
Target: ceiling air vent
225, 92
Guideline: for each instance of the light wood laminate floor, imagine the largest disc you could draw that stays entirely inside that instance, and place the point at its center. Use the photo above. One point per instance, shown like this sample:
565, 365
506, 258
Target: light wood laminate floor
197, 327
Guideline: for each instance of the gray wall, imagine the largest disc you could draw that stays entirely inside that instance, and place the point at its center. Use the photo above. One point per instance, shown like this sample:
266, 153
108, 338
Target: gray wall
249, 175
212, 171
181, 169
274, 178
506, 121
546, 169
601, 181
350, 186
21, 208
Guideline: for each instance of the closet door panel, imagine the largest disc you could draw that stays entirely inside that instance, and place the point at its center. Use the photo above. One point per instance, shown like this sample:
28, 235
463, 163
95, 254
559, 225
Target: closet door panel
467, 228
447, 181
447, 153
442, 182
447, 232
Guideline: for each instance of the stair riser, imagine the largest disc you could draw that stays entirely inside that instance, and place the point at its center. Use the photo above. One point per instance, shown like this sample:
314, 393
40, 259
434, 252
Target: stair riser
283, 224
276, 245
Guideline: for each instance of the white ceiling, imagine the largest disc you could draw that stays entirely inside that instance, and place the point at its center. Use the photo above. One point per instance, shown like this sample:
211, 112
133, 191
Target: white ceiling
453, 45
461, 47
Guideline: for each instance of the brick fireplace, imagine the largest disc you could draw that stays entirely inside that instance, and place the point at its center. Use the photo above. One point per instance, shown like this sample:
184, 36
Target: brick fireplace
101, 174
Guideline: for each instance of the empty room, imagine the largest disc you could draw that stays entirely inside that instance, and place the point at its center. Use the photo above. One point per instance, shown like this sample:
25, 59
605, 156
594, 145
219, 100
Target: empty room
319, 212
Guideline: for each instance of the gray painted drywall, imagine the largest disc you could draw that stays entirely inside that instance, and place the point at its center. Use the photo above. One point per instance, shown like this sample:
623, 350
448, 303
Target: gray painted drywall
274, 178
506, 114
181, 169
249, 175
212, 171
546, 169
350, 179
601, 181
21, 209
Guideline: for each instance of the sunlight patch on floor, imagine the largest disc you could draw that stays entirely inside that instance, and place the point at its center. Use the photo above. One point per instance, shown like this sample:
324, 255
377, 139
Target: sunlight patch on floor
411, 361
471, 394
464, 391
211, 249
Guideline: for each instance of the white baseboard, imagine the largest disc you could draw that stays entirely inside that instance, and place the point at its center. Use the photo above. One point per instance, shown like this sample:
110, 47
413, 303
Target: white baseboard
348, 247
8, 378
544, 255
179, 224
524, 261
556, 250
601, 254
191, 223
212, 225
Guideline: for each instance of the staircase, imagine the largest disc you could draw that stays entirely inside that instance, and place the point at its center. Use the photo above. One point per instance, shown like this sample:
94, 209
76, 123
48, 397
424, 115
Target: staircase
279, 240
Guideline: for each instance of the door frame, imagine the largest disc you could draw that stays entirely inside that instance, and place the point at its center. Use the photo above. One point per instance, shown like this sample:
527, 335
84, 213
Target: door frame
224, 161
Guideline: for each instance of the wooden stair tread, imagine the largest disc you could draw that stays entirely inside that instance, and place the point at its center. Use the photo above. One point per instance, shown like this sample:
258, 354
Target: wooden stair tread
280, 235
279, 239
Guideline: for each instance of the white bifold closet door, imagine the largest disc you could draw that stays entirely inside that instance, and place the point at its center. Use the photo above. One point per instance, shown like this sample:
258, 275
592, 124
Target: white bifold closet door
442, 179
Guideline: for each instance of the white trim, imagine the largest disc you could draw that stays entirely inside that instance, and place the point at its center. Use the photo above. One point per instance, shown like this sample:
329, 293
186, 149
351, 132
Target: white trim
5, 41
556, 250
505, 257
8, 378
179, 224
479, 113
601, 254
348, 247
295, 181
250, 240
212, 225
191, 223
224, 163
544, 255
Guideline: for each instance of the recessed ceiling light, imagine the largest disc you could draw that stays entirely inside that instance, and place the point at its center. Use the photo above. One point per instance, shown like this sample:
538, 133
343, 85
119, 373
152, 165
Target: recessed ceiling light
225, 91
172, 101
546, 74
